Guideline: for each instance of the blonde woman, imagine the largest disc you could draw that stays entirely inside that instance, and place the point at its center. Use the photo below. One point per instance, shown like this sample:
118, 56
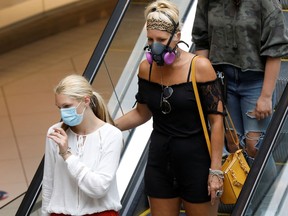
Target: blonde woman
179, 169
82, 154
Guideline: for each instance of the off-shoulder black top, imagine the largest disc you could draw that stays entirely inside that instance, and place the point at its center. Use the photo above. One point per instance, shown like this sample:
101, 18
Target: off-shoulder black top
183, 120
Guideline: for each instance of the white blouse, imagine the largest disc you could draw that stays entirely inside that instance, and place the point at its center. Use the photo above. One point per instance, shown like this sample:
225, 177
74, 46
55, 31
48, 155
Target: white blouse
86, 182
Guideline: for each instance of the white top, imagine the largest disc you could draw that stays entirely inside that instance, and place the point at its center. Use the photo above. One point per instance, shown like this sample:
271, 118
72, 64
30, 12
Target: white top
86, 182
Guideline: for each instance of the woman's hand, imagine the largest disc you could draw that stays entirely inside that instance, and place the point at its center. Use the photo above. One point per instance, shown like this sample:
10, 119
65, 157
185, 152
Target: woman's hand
263, 108
215, 184
60, 137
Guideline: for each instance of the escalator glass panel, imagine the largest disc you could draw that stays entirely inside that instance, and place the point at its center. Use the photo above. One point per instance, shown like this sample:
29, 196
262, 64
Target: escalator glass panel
271, 194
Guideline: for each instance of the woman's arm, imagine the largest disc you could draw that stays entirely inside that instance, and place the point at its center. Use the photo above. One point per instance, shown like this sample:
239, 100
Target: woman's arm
139, 115
212, 102
95, 181
215, 182
217, 140
264, 104
48, 176
200, 29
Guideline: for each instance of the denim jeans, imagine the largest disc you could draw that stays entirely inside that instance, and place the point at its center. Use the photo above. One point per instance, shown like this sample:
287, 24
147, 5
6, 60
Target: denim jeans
243, 90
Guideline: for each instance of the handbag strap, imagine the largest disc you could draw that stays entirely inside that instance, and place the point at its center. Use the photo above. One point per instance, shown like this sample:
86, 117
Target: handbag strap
229, 123
196, 93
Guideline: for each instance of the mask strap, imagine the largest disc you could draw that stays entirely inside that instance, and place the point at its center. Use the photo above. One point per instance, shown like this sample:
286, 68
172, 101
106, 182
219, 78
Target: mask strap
79, 104
174, 30
183, 42
146, 47
83, 109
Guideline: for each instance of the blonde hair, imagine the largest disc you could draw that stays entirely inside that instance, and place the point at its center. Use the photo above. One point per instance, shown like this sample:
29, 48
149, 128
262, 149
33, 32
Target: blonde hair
161, 10
78, 87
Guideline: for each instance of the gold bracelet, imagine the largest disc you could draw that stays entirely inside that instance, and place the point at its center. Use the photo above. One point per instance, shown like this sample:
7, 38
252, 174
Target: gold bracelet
66, 152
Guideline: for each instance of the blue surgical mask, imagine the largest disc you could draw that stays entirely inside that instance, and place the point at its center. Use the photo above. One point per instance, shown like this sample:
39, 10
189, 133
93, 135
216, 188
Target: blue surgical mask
70, 116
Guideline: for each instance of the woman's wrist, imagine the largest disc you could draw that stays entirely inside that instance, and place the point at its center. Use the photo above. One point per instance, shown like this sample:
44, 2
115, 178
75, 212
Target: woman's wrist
218, 173
66, 154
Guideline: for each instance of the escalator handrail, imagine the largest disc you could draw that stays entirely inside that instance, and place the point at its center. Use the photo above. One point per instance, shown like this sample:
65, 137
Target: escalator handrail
32, 193
264, 153
105, 40
90, 72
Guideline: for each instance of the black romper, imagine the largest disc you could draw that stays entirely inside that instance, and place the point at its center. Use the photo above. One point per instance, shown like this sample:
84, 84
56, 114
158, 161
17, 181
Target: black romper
178, 161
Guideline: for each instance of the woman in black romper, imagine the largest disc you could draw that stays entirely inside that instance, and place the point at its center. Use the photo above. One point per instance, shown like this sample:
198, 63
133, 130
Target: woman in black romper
179, 168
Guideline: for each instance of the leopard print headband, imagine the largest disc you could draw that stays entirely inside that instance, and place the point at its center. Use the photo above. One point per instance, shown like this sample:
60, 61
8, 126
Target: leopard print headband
157, 24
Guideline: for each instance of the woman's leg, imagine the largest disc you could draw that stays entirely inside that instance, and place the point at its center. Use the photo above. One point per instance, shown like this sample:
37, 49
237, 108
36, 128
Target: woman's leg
164, 207
203, 209
254, 130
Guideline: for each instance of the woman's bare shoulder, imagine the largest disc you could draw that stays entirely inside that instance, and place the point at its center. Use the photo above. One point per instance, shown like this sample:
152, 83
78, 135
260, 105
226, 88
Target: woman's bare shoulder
204, 70
144, 69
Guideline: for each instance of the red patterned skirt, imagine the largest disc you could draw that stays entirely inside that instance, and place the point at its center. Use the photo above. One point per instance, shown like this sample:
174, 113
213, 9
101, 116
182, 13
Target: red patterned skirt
104, 213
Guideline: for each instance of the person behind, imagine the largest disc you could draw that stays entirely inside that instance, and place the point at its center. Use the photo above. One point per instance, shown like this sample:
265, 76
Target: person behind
179, 169
245, 40
82, 154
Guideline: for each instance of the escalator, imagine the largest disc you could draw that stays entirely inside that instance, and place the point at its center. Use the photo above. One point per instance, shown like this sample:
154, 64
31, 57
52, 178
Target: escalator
253, 197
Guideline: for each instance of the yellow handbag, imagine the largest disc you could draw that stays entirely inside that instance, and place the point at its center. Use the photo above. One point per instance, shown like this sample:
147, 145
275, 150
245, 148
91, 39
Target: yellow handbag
235, 167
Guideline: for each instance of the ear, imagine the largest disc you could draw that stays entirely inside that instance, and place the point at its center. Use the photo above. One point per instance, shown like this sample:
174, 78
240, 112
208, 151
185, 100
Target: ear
177, 37
87, 100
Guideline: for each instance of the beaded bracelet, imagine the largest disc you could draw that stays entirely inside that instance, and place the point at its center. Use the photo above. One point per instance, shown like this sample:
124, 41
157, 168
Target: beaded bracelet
66, 152
218, 173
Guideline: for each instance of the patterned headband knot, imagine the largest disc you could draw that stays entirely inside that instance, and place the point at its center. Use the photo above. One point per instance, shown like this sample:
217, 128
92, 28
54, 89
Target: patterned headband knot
158, 24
